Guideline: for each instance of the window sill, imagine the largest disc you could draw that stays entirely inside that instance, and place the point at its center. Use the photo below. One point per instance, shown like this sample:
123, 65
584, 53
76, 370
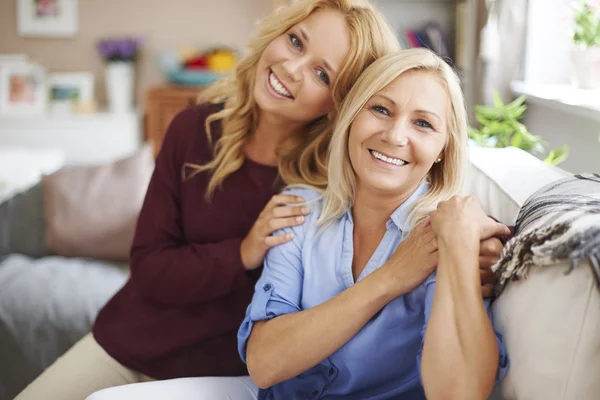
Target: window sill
565, 98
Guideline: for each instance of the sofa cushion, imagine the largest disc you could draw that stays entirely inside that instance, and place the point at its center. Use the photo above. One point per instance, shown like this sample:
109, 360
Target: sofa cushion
22, 226
92, 211
550, 315
502, 179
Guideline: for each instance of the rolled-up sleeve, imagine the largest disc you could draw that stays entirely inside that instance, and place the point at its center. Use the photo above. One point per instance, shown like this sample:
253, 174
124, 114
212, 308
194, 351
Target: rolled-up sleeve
503, 362
279, 289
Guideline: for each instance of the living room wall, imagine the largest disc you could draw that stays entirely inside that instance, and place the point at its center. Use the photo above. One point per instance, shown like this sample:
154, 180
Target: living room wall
165, 24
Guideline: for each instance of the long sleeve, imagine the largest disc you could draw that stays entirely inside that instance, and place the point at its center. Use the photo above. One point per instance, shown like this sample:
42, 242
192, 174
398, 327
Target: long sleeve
164, 266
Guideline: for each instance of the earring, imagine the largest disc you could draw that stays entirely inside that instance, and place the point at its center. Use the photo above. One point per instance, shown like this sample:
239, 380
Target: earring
438, 160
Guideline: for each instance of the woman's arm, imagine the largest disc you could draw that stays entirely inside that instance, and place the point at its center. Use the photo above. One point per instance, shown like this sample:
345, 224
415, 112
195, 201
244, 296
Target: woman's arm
460, 351
287, 345
460, 354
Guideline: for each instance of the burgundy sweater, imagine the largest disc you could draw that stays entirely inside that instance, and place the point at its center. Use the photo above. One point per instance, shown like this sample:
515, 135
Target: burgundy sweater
179, 313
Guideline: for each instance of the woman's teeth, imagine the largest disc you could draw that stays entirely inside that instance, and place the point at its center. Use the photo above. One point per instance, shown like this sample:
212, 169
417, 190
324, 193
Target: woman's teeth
278, 87
389, 160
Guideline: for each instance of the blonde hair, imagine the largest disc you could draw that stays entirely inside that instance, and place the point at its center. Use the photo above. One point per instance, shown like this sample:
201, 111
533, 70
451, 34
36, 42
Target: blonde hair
445, 177
302, 159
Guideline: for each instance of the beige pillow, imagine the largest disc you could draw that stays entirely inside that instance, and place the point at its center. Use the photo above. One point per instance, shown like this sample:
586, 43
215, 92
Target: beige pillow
551, 328
92, 211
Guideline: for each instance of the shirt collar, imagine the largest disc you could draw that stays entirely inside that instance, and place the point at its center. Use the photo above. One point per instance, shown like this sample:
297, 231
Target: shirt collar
400, 216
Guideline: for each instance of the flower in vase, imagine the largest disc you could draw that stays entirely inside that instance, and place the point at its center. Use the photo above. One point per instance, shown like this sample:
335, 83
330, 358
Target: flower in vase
120, 49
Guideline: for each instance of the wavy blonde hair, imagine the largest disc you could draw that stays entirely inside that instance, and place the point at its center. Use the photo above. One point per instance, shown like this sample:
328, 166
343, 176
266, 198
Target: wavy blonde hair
445, 177
302, 159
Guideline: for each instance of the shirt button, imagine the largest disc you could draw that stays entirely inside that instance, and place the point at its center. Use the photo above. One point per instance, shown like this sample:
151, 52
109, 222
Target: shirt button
331, 371
267, 287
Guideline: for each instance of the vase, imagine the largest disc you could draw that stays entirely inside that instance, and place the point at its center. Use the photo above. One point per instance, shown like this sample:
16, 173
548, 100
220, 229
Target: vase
585, 65
119, 80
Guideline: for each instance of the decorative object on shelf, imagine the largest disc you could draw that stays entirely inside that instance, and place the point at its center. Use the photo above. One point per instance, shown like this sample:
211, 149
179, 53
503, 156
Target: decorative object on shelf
49, 18
192, 67
71, 92
431, 36
585, 54
120, 55
22, 89
500, 126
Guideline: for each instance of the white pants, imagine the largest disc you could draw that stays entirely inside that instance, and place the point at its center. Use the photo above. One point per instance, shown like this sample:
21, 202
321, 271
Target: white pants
208, 388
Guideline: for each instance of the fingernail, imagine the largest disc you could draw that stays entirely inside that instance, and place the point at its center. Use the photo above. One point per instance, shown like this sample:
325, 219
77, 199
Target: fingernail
305, 210
289, 236
300, 219
300, 199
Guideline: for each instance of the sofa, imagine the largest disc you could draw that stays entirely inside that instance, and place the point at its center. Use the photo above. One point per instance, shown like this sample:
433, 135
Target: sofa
48, 301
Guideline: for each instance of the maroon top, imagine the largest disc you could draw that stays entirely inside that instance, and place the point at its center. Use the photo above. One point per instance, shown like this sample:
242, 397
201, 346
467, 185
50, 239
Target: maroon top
179, 313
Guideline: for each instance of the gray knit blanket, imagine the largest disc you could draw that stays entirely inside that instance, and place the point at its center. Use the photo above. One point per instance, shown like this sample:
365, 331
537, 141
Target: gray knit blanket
559, 223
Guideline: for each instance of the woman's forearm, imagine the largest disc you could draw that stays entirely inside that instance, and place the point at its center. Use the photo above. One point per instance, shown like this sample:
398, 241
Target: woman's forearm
288, 345
460, 353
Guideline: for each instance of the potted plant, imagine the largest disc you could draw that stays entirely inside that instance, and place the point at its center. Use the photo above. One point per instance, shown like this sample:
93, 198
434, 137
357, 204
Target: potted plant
120, 55
500, 126
585, 54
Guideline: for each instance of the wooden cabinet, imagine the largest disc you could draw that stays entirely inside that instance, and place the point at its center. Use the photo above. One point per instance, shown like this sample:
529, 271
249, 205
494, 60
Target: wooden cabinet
162, 104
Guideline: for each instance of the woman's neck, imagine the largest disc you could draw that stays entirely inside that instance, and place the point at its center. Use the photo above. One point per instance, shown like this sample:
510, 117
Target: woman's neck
261, 145
371, 211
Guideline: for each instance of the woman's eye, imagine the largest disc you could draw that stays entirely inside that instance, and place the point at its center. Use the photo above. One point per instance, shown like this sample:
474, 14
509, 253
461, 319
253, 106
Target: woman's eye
295, 41
323, 76
424, 124
381, 110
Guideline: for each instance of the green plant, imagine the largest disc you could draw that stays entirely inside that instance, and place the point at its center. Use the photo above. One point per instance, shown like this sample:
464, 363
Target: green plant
586, 15
500, 126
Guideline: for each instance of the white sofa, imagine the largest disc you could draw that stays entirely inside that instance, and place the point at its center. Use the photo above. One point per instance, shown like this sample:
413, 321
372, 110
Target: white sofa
550, 320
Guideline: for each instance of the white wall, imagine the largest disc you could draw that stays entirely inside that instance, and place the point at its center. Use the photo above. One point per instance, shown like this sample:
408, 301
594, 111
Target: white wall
558, 128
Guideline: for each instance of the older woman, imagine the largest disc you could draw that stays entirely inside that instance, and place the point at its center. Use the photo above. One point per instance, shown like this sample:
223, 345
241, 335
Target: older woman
378, 294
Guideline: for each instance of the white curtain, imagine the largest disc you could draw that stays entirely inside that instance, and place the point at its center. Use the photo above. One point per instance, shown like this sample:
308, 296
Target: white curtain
502, 42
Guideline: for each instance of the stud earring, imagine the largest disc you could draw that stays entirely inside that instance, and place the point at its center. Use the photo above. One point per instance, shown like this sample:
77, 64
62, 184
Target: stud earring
438, 160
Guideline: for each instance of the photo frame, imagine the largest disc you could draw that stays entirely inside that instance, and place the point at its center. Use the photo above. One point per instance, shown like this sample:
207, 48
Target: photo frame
23, 89
47, 18
67, 90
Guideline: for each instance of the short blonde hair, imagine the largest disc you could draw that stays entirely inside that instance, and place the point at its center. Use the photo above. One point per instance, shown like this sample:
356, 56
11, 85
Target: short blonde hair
445, 177
303, 158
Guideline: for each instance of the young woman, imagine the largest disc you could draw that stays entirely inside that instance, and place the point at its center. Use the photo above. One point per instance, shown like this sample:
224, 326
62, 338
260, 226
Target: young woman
212, 203
377, 296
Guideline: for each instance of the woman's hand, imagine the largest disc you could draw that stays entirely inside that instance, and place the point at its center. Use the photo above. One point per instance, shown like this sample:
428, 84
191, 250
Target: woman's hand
413, 260
461, 216
489, 253
277, 214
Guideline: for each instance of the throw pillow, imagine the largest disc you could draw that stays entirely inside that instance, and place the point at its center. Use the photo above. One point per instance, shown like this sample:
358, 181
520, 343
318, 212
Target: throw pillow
22, 226
92, 211
548, 309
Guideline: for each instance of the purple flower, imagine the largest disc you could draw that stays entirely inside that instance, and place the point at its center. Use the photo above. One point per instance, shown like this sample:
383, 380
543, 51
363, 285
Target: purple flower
120, 49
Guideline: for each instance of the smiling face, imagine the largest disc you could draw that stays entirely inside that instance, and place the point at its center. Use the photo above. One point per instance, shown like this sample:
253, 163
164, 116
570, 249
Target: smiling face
296, 72
399, 133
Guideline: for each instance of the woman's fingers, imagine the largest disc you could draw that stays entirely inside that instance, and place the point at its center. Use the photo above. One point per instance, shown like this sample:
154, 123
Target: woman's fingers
271, 241
289, 211
282, 200
276, 224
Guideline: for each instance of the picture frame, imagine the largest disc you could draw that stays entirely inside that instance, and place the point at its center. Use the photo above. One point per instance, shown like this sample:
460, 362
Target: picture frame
68, 90
47, 18
23, 89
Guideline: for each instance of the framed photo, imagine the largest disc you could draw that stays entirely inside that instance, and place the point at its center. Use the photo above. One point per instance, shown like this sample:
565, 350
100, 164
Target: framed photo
67, 90
50, 18
22, 89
